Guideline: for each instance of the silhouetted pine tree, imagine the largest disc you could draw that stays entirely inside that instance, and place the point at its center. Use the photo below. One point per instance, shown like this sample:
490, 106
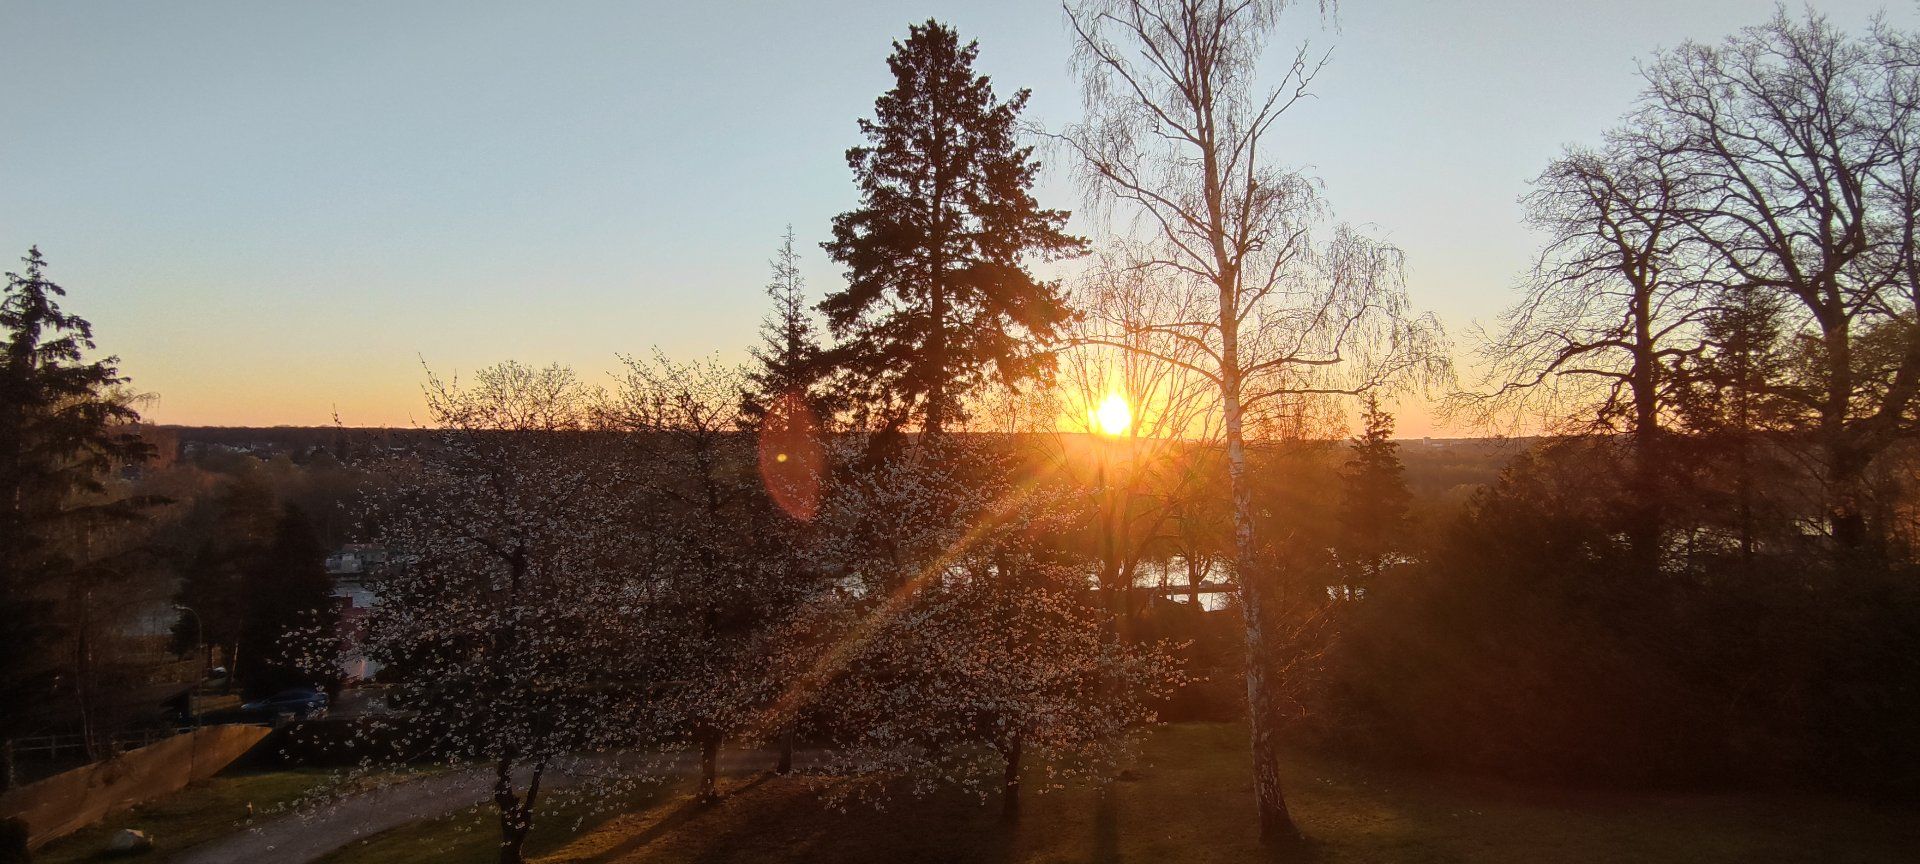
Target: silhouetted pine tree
1726, 399
938, 297
215, 575
63, 428
789, 356
288, 596
1373, 511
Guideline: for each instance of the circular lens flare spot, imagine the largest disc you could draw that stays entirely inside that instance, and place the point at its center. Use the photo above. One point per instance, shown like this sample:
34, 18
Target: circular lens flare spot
792, 459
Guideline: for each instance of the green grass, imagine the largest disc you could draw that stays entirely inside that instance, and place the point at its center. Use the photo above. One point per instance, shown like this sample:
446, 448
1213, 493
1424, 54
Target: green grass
1191, 801
472, 834
200, 812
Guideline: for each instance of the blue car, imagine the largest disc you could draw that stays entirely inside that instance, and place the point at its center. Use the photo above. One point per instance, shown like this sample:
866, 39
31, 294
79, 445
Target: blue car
303, 703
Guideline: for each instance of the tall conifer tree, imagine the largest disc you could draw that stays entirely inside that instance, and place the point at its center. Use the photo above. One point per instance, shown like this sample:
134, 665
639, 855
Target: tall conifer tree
63, 427
938, 297
1373, 512
288, 596
789, 353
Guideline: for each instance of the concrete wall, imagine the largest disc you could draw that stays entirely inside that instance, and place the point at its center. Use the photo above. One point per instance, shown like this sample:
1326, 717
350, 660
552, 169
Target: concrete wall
64, 803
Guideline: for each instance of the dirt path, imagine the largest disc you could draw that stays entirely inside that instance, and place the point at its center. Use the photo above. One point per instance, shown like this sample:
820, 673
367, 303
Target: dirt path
304, 837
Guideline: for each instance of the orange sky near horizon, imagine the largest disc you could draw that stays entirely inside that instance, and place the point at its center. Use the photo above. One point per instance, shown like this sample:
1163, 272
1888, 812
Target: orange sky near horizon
364, 398
275, 213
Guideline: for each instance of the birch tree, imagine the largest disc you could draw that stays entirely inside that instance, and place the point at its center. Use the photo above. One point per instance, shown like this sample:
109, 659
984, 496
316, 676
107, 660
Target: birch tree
1174, 143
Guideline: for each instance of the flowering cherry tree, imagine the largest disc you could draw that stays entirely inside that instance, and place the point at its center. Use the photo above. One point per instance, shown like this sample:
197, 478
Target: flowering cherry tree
509, 628
711, 535
969, 646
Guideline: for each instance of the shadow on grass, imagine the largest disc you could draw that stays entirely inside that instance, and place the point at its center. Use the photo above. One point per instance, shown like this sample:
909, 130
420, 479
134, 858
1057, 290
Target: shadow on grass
1189, 801
785, 821
682, 814
1106, 826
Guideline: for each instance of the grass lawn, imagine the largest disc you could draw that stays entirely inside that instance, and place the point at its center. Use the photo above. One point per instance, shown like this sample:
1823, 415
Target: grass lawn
473, 834
1192, 802
200, 812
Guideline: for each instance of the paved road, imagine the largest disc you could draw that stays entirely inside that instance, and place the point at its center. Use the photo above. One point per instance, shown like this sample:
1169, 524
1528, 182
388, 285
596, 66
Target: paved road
303, 837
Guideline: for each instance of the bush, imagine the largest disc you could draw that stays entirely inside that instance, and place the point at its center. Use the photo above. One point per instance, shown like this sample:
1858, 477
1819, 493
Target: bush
1529, 645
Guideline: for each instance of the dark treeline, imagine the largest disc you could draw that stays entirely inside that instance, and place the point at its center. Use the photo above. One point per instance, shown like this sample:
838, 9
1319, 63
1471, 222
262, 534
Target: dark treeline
1713, 578
1528, 638
133, 558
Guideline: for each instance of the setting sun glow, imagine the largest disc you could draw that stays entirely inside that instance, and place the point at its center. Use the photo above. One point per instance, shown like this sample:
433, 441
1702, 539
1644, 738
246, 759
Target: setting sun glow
1113, 416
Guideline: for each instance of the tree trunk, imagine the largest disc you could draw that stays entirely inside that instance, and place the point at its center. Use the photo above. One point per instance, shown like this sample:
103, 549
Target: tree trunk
935, 424
516, 814
1743, 480
513, 841
1276, 824
786, 753
1010, 783
709, 766
1646, 517
936, 420
232, 657
1647, 513
1846, 510
83, 689
1115, 578
1846, 459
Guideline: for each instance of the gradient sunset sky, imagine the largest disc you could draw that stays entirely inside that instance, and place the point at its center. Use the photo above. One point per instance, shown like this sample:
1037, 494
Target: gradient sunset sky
273, 211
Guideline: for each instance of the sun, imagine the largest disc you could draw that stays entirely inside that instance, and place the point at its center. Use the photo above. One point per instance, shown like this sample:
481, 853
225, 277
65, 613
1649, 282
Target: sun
1113, 417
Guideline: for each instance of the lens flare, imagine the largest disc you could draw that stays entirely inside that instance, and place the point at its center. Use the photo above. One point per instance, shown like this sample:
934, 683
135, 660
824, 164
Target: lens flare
792, 459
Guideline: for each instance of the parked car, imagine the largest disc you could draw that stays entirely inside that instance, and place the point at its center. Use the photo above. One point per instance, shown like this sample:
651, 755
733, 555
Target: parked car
304, 703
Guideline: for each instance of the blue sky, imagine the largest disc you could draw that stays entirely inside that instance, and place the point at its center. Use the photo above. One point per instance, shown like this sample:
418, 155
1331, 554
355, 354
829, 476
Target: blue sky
273, 211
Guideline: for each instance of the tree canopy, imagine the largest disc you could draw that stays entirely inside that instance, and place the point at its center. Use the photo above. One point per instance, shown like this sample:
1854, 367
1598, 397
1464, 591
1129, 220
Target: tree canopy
939, 299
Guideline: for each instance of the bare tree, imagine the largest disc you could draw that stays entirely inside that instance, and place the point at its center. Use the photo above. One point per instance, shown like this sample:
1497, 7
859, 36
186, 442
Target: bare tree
1613, 303
1612, 300
1802, 140
1283, 303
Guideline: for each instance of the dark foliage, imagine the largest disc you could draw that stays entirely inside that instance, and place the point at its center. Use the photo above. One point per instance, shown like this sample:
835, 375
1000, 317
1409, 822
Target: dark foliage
938, 295
64, 426
788, 370
1530, 645
1374, 499
255, 584
288, 599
